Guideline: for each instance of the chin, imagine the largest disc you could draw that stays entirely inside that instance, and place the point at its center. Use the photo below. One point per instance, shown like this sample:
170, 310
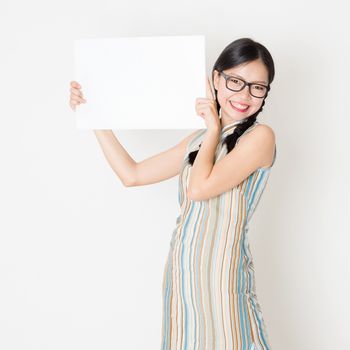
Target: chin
237, 116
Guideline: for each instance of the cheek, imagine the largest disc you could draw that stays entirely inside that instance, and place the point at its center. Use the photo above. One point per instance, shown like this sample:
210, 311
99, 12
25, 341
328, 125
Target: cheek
224, 97
258, 104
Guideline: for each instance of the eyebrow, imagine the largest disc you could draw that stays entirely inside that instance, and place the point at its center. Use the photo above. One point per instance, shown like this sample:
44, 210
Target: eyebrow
256, 81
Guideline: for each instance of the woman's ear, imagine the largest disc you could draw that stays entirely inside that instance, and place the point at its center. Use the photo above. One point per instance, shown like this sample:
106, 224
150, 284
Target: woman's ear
216, 80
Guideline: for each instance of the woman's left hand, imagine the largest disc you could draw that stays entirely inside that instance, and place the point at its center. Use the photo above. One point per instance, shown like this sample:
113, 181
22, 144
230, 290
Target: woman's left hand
207, 109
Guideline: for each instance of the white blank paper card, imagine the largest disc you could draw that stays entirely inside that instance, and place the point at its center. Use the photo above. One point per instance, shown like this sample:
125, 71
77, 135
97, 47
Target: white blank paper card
140, 82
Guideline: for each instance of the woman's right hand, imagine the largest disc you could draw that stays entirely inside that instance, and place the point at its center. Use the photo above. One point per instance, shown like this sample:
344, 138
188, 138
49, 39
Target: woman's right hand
76, 96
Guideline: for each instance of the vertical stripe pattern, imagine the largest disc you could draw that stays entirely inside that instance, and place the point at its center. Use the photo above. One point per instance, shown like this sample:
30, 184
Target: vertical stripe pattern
209, 294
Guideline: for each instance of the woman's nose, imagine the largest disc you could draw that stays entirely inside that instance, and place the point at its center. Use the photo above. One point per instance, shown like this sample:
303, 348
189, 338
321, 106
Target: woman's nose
244, 93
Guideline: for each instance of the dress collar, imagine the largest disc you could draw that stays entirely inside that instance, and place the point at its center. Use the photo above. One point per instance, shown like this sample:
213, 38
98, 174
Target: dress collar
230, 127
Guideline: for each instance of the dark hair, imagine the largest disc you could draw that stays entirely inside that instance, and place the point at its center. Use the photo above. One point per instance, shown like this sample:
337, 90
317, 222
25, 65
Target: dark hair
238, 52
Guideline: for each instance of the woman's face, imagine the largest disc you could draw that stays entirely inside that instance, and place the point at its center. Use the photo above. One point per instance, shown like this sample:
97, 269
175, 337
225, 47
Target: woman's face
254, 71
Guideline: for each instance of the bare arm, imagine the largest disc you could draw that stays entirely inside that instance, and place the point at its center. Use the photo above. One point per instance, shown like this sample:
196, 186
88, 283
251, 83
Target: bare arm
157, 168
162, 166
118, 158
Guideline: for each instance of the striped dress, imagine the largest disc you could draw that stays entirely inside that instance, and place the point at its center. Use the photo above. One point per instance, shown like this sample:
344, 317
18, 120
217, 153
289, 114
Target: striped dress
209, 295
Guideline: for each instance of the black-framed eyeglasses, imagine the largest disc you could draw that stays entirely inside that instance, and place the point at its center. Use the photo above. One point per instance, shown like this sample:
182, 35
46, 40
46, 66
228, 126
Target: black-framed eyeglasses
237, 84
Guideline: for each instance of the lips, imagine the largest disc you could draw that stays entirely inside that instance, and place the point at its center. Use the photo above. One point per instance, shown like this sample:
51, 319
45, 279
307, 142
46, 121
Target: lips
241, 107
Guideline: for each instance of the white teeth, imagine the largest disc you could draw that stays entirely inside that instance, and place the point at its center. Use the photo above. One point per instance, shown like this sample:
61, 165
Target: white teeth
238, 105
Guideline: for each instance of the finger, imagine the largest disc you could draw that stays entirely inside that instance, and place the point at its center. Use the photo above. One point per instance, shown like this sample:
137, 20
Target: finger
75, 84
202, 110
203, 99
81, 100
76, 92
209, 91
75, 102
207, 101
75, 95
78, 99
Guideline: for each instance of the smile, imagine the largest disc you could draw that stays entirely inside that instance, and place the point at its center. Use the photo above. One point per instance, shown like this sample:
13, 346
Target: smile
238, 107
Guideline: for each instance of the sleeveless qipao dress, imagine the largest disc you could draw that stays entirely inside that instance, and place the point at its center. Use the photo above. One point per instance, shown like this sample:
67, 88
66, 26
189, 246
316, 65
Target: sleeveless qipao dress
209, 295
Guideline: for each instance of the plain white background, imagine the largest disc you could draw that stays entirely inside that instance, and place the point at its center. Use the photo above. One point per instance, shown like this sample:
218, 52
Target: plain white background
82, 257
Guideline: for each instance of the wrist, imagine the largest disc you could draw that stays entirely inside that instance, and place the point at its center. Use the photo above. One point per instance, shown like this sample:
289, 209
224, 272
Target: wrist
214, 132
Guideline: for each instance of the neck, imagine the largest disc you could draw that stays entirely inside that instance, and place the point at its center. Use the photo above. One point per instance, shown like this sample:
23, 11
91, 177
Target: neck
224, 124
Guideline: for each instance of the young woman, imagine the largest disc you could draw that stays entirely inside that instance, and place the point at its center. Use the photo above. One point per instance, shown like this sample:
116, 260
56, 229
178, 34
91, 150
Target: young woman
209, 294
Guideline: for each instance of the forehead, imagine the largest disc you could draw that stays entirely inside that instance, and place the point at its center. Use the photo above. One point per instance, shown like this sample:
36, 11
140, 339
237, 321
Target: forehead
254, 71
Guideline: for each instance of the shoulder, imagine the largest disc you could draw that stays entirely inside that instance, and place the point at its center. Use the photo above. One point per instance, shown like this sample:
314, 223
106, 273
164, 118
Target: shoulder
261, 133
194, 138
259, 142
265, 129
193, 135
